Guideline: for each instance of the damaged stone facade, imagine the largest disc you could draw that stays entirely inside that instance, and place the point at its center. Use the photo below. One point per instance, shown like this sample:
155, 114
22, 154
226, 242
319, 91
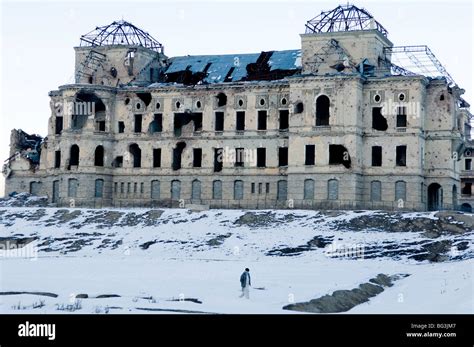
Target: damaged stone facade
326, 126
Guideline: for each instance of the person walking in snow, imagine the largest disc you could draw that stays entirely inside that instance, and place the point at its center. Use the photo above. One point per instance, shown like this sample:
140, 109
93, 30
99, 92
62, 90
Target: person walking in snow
245, 283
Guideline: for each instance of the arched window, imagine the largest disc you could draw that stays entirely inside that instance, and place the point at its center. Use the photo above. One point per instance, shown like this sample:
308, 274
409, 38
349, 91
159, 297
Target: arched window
196, 190
175, 189
309, 189
333, 189
217, 190
72, 187
400, 191
375, 191
99, 156
74, 155
238, 190
322, 110
136, 153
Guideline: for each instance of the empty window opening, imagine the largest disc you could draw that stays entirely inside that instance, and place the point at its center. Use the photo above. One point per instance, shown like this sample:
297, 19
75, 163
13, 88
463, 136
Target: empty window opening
261, 157
284, 120
309, 155
99, 188
240, 123
72, 185
240, 102
260, 186
218, 159
238, 190
142, 187
217, 190
197, 157
221, 99
155, 189
74, 156
219, 124
100, 125
338, 154
138, 123
121, 127
59, 125
299, 107
333, 189
99, 156
379, 122
85, 105
57, 159
308, 189
115, 188
376, 155
468, 164
128, 188
127, 101
135, 187
157, 106
198, 104
441, 97
145, 97
401, 117
136, 153
283, 156
156, 157
467, 189
122, 185
401, 159
175, 189
262, 102
177, 153
187, 123
267, 188
252, 188
322, 111
239, 157
118, 161
284, 101
156, 126
262, 120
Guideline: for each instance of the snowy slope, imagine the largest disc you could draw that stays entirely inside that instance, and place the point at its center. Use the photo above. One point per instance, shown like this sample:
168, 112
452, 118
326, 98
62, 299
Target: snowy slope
150, 257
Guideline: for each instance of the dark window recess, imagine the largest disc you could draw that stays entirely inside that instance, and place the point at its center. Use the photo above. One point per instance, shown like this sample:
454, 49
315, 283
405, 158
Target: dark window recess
401, 117
376, 156
177, 152
267, 188
156, 126
100, 125
145, 97
467, 189
260, 185
379, 122
262, 120
283, 156
219, 125
121, 127
221, 99
99, 156
309, 155
118, 162
338, 154
136, 153
197, 157
218, 159
239, 157
74, 156
240, 124
156, 157
261, 157
299, 107
322, 111
284, 119
468, 164
252, 188
57, 159
182, 123
59, 125
401, 159
138, 123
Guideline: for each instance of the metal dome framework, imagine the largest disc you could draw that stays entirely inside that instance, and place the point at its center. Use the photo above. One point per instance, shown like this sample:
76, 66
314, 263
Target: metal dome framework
344, 18
120, 33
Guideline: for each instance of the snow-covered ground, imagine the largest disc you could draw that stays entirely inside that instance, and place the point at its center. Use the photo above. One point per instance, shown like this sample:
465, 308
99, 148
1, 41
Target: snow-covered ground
159, 261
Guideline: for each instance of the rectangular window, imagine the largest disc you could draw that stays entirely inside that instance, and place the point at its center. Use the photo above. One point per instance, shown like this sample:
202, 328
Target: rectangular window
309, 155
261, 157
135, 187
121, 188
239, 157
283, 156
197, 157
115, 187
260, 185
468, 164
267, 188
219, 124
57, 159
252, 188
121, 127
156, 157
59, 125
100, 125
401, 117
240, 123
376, 155
262, 120
284, 120
197, 122
218, 159
138, 123
401, 159
157, 125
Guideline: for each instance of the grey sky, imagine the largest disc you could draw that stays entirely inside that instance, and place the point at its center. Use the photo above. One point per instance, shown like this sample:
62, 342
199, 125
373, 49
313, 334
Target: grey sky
37, 40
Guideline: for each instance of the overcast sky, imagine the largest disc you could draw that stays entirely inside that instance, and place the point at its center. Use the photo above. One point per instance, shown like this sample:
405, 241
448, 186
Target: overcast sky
37, 40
